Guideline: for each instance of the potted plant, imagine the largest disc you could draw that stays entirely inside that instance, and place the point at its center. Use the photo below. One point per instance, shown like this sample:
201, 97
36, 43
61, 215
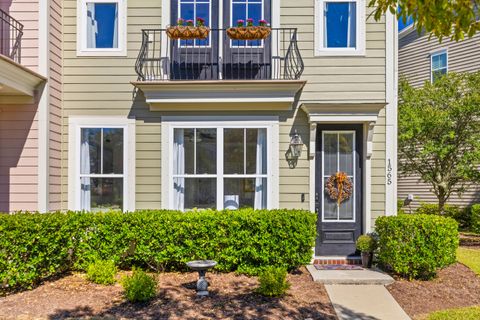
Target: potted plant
366, 244
249, 31
187, 30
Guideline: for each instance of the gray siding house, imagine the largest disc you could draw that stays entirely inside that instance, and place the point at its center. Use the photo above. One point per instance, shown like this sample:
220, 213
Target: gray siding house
421, 60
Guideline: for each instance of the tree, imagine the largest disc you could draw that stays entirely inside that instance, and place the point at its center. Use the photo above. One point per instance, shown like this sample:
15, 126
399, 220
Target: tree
439, 133
441, 18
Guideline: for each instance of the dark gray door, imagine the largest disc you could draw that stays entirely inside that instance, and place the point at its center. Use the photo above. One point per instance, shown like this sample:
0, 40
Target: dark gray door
339, 149
195, 59
246, 59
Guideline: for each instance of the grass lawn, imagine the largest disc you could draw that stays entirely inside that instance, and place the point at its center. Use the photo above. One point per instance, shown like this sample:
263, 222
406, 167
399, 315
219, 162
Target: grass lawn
469, 313
470, 258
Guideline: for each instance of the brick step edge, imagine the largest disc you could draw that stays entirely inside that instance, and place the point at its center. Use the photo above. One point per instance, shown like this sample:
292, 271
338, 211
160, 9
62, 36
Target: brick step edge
350, 261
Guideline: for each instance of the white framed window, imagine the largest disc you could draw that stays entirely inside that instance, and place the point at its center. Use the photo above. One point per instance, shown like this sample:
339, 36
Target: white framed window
220, 165
101, 164
243, 10
338, 155
339, 27
191, 10
101, 27
438, 64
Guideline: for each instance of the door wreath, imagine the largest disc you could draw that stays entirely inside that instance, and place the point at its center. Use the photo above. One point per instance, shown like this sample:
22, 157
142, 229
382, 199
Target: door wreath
339, 187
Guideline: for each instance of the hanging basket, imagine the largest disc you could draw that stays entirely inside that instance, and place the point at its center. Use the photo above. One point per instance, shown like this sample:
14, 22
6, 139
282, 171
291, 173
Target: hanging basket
249, 33
187, 32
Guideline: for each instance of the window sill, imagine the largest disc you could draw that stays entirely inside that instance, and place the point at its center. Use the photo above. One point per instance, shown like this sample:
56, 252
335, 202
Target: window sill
339, 53
102, 53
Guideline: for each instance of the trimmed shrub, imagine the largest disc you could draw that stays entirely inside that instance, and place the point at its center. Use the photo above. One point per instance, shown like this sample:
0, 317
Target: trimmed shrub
475, 218
462, 216
415, 246
366, 243
139, 287
36, 246
273, 282
102, 272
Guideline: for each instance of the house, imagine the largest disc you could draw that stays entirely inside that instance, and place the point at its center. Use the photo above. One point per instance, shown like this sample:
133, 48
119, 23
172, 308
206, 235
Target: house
421, 59
148, 121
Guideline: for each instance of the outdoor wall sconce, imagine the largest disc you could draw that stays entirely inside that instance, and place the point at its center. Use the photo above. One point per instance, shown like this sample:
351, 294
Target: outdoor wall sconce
296, 145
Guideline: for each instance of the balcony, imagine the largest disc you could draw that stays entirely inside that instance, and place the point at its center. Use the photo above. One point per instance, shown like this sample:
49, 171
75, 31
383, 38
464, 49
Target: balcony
18, 84
209, 73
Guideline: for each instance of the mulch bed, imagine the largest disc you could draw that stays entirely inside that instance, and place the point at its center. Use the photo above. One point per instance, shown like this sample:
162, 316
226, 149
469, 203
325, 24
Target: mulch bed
231, 297
456, 286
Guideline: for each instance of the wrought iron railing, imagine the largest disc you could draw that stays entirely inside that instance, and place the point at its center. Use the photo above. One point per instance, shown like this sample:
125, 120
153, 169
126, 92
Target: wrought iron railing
11, 32
218, 57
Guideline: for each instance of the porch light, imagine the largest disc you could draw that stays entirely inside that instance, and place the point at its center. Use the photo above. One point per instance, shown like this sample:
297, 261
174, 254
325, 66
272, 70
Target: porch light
296, 145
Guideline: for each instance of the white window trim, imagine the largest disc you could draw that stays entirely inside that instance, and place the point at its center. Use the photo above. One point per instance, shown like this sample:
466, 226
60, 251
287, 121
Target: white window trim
353, 177
434, 54
320, 50
270, 123
82, 49
74, 131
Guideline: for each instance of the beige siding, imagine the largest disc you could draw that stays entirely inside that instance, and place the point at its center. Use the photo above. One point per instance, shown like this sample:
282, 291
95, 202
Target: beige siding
414, 64
55, 104
100, 86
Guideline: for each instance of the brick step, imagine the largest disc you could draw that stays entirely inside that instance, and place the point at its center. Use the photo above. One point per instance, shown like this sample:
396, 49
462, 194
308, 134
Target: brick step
338, 260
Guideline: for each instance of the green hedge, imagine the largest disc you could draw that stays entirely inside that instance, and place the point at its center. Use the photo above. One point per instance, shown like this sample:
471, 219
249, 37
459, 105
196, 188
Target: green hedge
466, 217
475, 218
415, 246
36, 246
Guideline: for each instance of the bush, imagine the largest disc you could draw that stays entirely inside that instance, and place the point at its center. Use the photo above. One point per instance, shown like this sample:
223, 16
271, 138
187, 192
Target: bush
366, 243
34, 247
273, 282
139, 287
462, 216
415, 246
475, 218
102, 272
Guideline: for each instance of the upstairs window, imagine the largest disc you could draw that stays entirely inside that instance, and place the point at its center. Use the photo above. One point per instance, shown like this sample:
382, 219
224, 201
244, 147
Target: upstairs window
340, 27
101, 27
191, 10
438, 65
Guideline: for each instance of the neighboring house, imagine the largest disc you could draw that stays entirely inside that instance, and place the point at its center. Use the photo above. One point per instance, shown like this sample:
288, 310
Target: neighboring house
150, 122
420, 60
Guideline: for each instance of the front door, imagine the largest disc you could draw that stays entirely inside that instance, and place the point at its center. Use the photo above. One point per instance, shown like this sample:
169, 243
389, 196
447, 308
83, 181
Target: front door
339, 150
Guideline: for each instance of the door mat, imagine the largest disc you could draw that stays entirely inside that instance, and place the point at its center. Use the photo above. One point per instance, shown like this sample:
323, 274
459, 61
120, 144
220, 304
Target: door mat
337, 267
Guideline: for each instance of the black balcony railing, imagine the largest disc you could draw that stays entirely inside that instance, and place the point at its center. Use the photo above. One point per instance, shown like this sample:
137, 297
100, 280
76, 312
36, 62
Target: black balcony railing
218, 57
11, 32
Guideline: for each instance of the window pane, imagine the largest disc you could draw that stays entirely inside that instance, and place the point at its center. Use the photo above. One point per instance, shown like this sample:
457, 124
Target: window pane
346, 207
438, 74
245, 192
113, 151
329, 153
90, 151
183, 151
102, 25
255, 12
239, 11
206, 151
106, 193
187, 11
439, 61
346, 153
340, 25
233, 154
329, 205
200, 193
256, 151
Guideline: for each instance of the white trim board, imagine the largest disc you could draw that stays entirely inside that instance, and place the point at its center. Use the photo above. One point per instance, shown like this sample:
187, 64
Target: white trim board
74, 126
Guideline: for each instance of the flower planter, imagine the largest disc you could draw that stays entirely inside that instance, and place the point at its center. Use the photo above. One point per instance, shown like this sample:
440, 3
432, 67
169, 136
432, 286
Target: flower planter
249, 33
367, 258
187, 32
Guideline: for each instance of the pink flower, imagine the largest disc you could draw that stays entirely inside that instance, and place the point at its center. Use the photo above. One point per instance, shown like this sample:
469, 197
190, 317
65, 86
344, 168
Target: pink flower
200, 22
263, 23
190, 23
180, 21
249, 22
240, 22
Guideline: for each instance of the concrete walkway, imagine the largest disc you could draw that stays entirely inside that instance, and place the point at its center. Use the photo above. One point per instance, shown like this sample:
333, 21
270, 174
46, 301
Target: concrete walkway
359, 294
364, 302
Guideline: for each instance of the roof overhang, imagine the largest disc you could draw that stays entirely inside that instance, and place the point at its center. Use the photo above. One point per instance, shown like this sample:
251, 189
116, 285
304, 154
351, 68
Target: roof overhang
342, 113
18, 84
225, 95
365, 113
